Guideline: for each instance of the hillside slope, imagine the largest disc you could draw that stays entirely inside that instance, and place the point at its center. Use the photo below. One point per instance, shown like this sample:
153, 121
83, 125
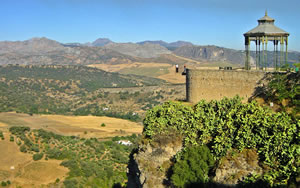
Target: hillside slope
80, 90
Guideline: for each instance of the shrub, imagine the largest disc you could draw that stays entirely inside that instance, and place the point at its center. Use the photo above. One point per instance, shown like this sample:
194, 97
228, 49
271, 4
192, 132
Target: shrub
37, 156
12, 138
193, 167
103, 125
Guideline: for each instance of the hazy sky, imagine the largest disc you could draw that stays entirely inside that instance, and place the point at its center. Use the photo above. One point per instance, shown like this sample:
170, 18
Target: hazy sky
213, 22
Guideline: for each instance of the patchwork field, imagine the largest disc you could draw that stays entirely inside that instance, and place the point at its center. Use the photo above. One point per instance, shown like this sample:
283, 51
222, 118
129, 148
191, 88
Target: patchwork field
137, 68
83, 126
21, 170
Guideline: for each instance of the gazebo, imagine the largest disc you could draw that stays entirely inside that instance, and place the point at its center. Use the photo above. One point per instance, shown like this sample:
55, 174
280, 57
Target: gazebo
266, 31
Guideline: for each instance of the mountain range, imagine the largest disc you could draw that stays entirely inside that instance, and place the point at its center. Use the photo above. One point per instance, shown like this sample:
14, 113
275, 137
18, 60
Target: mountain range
105, 51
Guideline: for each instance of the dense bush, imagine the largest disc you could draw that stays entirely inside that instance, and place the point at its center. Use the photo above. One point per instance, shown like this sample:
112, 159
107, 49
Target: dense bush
193, 167
70, 183
229, 123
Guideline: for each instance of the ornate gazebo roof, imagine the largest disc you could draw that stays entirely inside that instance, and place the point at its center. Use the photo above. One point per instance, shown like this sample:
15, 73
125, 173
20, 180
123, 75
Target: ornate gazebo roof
266, 27
263, 33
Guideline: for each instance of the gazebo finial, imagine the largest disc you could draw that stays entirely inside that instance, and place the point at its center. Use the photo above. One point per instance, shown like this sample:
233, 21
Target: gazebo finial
266, 12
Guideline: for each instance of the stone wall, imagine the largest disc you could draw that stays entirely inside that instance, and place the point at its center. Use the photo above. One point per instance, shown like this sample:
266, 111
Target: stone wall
216, 84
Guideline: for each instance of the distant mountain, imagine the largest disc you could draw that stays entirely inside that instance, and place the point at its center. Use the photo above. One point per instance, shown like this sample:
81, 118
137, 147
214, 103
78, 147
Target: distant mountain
46, 51
146, 50
170, 46
159, 42
34, 45
101, 42
180, 43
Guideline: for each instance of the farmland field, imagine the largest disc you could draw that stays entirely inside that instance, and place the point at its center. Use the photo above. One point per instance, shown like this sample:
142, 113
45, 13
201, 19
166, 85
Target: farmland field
21, 170
84, 126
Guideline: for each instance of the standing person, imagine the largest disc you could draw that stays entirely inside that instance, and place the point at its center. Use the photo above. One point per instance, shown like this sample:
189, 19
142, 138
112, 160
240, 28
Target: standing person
176, 66
184, 70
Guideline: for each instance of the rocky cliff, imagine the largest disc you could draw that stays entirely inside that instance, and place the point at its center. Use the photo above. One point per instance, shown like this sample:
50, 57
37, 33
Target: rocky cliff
211, 53
146, 50
150, 163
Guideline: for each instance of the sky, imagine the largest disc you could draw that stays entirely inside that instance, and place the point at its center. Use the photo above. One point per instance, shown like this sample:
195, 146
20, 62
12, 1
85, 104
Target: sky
209, 22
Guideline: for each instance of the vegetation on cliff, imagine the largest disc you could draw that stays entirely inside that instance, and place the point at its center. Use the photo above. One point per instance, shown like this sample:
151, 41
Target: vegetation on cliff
284, 89
230, 124
193, 166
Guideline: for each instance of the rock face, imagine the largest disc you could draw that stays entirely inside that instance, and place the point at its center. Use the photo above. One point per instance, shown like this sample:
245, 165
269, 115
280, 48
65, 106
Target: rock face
170, 46
146, 50
211, 53
235, 166
150, 164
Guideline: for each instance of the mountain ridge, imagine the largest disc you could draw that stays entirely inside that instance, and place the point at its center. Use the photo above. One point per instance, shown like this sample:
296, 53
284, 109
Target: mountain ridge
47, 51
